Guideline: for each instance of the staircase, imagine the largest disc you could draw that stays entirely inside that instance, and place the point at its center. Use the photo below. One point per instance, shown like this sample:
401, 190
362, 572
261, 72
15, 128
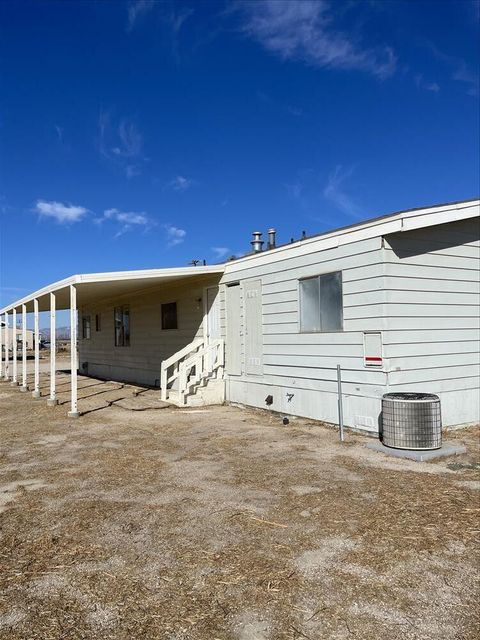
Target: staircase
194, 375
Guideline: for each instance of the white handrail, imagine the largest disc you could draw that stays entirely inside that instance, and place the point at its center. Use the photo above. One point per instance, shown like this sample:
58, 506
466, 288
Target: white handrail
195, 344
206, 360
174, 360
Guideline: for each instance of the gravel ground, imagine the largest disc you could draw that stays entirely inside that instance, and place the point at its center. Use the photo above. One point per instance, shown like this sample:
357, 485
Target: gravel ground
143, 521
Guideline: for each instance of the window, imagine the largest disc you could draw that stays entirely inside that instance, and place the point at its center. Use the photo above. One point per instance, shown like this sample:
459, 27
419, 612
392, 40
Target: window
169, 315
321, 303
122, 326
98, 322
86, 327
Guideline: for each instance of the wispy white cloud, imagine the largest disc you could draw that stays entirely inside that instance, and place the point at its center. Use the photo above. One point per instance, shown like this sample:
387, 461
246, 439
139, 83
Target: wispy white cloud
335, 192
121, 143
178, 19
295, 190
220, 252
424, 84
132, 170
127, 220
303, 189
128, 217
63, 213
463, 74
175, 22
294, 111
180, 183
59, 131
460, 72
4, 206
304, 30
130, 140
174, 235
170, 14
137, 10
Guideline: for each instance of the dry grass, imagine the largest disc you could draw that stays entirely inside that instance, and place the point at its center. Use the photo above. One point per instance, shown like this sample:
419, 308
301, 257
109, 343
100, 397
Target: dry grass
225, 524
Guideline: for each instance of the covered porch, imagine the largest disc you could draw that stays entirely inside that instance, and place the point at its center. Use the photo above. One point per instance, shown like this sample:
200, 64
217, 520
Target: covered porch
123, 327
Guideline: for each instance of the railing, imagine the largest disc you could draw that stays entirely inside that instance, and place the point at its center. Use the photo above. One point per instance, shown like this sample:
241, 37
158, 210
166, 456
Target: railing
191, 365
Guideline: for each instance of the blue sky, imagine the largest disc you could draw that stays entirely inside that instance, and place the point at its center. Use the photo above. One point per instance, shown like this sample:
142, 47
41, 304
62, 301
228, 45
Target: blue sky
146, 134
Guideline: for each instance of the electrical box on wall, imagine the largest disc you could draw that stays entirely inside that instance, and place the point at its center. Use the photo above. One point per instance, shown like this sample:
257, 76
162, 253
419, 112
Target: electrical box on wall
372, 349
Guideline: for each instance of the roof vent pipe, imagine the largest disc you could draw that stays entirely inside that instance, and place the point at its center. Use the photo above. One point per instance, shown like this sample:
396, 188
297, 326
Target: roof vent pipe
257, 242
271, 238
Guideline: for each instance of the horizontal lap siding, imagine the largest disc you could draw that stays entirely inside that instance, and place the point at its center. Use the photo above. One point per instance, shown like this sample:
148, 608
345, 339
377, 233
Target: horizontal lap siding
304, 364
421, 290
432, 300
149, 345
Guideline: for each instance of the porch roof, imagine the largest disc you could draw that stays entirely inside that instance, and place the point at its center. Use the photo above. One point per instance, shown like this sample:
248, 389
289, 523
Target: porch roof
92, 287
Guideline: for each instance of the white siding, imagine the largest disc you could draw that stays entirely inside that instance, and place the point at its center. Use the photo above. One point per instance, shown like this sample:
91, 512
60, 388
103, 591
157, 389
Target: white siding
149, 345
299, 369
419, 288
432, 285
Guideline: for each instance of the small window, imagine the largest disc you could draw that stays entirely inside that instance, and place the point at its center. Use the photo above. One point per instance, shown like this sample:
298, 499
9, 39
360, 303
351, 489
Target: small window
98, 322
86, 327
122, 326
169, 315
321, 303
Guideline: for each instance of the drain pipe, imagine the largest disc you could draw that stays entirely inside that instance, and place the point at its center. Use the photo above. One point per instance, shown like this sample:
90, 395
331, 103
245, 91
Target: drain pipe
340, 403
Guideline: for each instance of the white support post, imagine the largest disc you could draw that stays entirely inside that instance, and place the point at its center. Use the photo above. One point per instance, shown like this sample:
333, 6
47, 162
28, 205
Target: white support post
1, 348
7, 355
14, 348
73, 413
36, 390
24, 348
52, 401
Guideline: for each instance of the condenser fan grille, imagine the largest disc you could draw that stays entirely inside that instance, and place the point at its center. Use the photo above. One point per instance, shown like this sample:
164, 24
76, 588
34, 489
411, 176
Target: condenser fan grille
411, 421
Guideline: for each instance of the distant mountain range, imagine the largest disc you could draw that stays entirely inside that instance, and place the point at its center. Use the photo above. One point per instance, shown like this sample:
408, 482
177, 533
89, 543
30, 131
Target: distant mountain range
62, 333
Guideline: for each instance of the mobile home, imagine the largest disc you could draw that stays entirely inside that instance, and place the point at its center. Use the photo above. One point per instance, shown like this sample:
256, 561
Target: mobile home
392, 301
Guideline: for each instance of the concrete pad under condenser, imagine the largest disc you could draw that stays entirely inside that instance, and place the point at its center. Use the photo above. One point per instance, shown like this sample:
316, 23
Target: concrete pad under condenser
447, 449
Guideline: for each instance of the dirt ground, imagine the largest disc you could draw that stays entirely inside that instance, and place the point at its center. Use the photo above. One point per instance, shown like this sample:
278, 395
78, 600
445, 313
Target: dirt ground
141, 521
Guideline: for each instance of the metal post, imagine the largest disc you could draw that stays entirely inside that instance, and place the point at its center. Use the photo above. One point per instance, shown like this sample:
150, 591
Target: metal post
14, 348
1, 348
52, 401
7, 355
36, 389
340, 402
24, 348
73, 413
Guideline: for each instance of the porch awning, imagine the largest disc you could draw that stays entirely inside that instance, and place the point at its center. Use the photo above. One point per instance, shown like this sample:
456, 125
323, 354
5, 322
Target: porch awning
92, 287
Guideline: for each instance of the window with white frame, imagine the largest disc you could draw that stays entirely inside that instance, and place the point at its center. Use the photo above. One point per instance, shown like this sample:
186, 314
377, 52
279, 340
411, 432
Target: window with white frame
122, 326
321, 303
86, 329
